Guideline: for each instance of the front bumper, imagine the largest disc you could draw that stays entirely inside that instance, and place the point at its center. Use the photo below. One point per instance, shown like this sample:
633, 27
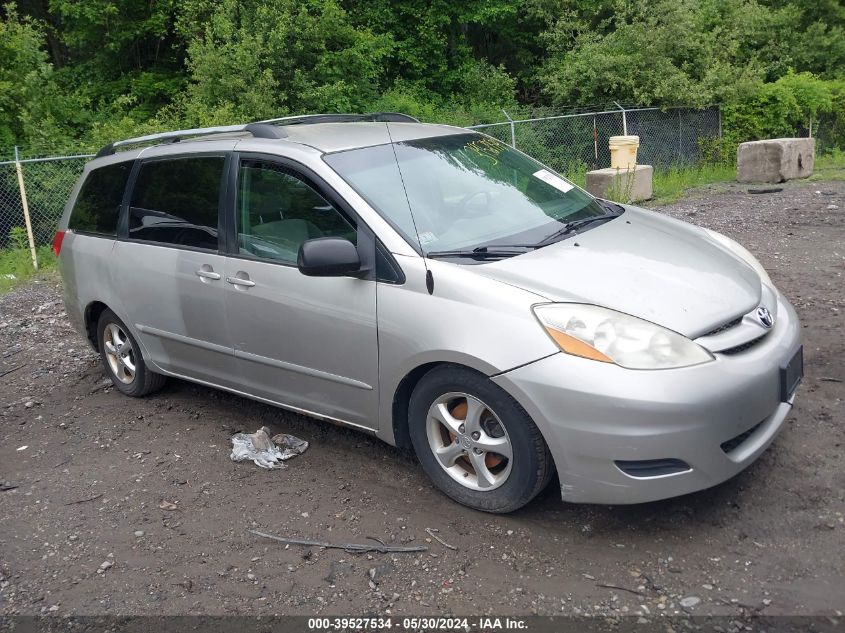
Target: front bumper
595, 414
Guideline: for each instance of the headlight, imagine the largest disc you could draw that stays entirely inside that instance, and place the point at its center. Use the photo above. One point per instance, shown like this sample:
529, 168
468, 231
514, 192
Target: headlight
613, 337
740, 251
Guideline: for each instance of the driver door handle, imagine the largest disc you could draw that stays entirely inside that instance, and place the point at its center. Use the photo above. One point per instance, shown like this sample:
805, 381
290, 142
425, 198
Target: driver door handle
208, 274
239, 281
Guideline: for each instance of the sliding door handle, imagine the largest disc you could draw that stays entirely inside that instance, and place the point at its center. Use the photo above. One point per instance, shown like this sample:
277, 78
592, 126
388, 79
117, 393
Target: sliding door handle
208, 274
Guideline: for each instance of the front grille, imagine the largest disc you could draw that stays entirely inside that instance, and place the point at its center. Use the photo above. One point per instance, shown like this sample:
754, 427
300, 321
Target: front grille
735, 442
652, 467
726, 326
742, 348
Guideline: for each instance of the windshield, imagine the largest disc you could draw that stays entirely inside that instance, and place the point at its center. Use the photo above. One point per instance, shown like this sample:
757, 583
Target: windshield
463, 192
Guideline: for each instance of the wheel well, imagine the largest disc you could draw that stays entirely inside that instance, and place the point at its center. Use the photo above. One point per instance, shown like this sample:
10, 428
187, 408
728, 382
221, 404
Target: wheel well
92, 317
402, 399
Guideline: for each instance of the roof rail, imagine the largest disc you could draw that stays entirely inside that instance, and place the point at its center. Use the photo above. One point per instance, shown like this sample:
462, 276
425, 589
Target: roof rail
376, 117
268, 128
258, 130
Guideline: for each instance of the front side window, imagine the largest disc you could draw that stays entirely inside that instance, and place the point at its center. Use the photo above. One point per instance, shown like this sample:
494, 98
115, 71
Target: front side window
465, 191
176, 201
277, 211
97, 206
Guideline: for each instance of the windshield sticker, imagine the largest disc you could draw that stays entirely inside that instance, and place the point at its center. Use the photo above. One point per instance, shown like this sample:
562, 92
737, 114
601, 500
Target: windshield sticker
555, 181
427, 238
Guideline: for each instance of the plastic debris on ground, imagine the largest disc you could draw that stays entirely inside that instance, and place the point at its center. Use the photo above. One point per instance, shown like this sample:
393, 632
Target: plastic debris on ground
265, 451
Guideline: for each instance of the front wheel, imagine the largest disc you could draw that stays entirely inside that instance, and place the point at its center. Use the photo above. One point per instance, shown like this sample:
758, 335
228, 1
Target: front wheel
475, 442
122, 358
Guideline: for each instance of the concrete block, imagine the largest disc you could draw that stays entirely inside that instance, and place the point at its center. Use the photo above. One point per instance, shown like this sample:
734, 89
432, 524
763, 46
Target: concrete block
621, 185
775, 160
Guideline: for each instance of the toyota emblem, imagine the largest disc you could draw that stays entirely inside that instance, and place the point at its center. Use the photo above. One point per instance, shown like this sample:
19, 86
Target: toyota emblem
765, 317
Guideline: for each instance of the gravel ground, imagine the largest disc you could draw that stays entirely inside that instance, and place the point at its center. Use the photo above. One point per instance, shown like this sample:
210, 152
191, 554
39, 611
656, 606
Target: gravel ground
90, 479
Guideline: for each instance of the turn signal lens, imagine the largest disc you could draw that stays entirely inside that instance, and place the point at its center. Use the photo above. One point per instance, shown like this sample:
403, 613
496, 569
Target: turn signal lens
572, 345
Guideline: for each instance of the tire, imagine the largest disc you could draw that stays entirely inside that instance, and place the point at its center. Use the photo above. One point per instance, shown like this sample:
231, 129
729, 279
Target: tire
127, 369
456, 412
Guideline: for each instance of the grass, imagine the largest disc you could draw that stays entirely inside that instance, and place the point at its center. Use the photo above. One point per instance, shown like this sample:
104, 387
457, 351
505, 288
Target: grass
16, 265
829, 166
670, 184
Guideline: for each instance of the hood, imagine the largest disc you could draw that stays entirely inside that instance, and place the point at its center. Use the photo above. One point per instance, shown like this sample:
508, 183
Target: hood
644, 264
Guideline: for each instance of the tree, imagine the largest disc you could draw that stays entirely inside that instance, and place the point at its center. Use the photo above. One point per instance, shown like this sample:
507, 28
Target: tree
265, 59
119, 48
24, 76
664, 52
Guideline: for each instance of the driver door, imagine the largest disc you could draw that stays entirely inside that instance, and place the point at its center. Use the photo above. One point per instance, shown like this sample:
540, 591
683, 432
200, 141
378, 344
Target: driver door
309, 343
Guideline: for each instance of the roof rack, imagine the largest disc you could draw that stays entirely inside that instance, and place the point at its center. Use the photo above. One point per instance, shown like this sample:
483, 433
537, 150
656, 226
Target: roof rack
375, 117
268, 128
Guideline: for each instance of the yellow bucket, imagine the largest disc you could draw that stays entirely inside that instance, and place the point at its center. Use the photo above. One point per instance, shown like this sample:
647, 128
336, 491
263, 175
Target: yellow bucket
623, 151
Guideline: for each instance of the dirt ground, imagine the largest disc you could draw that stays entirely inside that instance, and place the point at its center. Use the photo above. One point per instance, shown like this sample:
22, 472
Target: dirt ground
85, 471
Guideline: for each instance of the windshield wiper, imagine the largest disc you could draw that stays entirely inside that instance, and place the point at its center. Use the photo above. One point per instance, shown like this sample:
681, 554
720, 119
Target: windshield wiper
613, 206
499, 251
481, 252
574, 225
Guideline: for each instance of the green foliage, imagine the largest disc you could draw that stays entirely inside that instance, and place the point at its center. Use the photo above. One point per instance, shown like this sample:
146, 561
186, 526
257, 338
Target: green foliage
281, 57
75, 75
119, 48
438, 42
24, 72
16, 259
829, 166
665, 52
778, 109
622, 186
18, 238
669, 184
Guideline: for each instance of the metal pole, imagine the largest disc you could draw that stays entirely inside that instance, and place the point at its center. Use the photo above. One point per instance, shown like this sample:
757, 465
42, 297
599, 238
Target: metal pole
25, 210
595, 141
513, 129
679, 134
719, 110
624, 119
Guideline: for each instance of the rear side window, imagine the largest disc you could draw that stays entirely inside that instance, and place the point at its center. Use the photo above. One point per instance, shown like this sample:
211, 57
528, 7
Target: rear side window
98, 205
176, 201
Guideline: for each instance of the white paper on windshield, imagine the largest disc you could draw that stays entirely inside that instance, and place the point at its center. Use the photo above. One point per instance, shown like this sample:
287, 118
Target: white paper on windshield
555, 181
427, 237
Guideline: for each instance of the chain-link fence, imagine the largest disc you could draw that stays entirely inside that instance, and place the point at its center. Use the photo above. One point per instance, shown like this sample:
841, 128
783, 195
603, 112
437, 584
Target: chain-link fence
571, 144
47, 183
574, 143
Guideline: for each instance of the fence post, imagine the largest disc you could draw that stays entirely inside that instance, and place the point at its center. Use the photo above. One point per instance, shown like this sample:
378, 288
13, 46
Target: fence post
25, 205
719, 110
513, 129
624, 119
680, 150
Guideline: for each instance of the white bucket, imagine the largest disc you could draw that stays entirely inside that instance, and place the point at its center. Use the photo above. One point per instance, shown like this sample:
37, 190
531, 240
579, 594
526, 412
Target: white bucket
623, 151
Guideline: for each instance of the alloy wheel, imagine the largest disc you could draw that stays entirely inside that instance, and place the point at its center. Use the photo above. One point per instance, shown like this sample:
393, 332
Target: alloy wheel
120, 353
469, 441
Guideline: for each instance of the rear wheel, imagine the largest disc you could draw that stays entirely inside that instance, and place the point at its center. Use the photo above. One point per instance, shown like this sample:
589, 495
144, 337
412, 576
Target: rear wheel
475, 442
122, 359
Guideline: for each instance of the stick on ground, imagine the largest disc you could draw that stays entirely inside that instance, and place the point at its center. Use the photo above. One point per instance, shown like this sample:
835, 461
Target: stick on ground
349, 547
431, 533
70, 503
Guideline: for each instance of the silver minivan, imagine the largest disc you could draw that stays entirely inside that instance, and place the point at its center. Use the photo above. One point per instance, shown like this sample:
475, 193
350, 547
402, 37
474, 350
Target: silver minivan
440, 290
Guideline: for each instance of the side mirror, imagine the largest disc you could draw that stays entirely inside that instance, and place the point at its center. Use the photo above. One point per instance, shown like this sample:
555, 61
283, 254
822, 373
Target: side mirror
328, 257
